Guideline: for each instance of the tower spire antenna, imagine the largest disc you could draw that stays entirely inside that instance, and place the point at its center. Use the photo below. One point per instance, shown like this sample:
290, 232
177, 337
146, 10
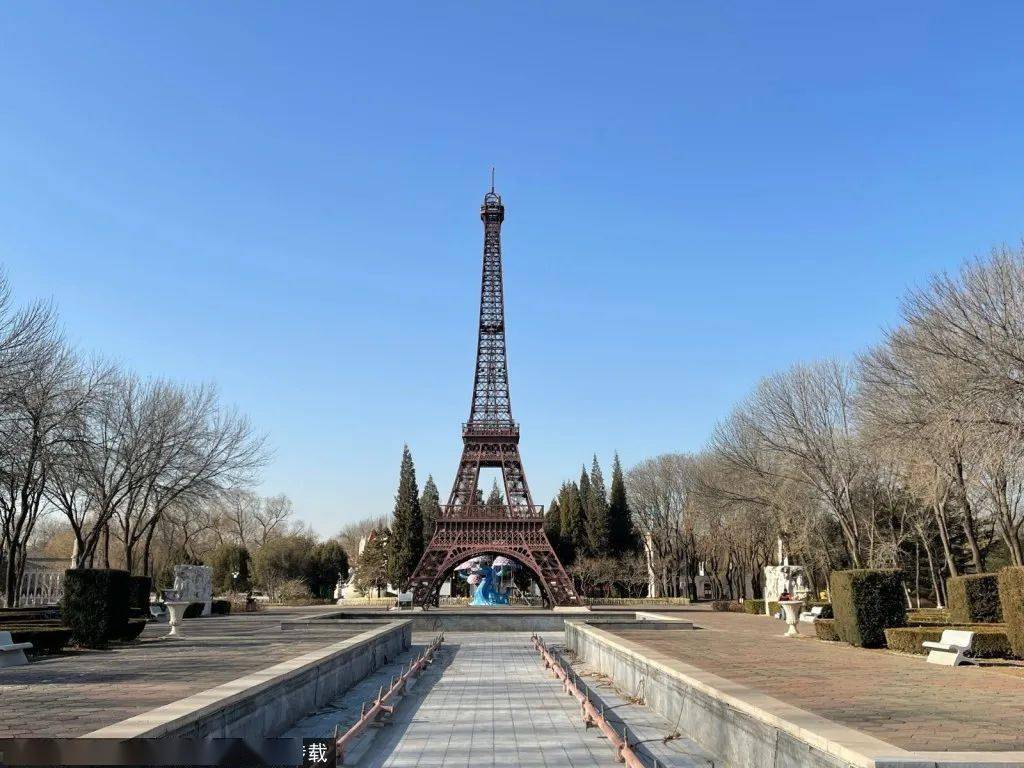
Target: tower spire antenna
492, 179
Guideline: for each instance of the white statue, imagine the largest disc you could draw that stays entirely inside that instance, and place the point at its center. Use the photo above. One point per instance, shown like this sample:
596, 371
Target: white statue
194, 583
800, 589
784, 578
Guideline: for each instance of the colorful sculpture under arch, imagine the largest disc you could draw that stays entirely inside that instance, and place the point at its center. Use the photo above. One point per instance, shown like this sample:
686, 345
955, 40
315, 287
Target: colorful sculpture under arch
484, 575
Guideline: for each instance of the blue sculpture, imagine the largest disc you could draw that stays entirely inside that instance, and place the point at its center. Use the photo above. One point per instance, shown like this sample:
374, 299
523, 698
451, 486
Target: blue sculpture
484, 575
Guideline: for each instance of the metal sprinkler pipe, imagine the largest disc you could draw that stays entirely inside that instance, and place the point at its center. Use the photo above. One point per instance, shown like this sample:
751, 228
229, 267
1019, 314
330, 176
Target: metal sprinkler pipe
380, 705
623, 752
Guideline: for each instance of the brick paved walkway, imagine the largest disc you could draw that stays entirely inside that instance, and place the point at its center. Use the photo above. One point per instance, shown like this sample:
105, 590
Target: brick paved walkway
896, 698
74, 694
490, 703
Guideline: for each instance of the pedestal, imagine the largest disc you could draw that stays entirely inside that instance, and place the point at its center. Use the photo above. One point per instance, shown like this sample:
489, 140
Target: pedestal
792, 609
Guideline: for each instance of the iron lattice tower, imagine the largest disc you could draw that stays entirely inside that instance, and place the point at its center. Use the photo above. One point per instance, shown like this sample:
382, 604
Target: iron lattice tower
465, 527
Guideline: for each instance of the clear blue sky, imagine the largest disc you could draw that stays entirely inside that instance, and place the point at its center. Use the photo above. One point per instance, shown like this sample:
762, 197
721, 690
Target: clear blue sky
283, 198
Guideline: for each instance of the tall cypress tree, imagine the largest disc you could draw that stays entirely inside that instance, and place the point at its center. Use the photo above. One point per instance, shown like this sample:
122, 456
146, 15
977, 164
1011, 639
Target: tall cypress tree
406, 540
583, 541
621, 533
574, 533
430, 508
598, 522
553, 527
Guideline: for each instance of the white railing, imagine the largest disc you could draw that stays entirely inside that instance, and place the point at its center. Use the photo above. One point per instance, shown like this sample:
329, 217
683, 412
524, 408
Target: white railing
41, 588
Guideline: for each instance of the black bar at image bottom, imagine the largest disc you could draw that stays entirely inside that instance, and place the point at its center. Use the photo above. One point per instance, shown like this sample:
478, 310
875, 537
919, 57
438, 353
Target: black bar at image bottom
167, 752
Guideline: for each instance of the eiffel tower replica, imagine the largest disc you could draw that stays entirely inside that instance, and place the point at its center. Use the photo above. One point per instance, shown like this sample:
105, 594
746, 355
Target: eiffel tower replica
465, 527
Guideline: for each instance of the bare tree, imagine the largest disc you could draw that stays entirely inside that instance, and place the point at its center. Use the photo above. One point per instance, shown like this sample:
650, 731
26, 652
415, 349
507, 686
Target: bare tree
271, 517
141, 447
797, 428
352, 533
659, 497
37, 394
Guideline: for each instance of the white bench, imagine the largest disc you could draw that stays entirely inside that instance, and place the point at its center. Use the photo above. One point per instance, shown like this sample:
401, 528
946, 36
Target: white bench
808, 617
952, 649
12, 654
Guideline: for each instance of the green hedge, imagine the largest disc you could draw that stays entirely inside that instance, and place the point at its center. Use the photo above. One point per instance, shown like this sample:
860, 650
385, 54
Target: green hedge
220, 607
132, 630
757, 607
866, 603
139, 589
44, 639
8, 625
95, 605
990, 641
194, 611
825, 629
1011, 599
41, 612
928, 617
974, 599
727, 606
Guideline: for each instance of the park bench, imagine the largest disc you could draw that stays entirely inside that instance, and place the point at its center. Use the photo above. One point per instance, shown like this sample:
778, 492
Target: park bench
952, 649
809, 617
12, 654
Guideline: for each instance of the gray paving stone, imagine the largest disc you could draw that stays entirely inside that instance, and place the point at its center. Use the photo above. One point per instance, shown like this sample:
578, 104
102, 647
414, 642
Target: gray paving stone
79, 692
488, 702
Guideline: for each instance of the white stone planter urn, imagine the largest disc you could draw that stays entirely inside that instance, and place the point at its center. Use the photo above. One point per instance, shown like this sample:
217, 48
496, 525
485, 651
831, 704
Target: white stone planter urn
175, 612
792, 609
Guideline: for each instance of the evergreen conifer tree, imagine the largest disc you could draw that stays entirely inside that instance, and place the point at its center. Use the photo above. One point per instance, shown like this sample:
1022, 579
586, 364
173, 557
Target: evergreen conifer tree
553, 527
372, 568
597, 514
583, 541
574, 534
621, 533
405, 545
495, 500
430, 508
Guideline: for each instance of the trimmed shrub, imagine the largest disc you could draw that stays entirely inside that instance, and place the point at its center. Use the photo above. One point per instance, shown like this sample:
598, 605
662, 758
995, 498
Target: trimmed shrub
990, 640
139, 589
40, 612
95, 605
974, 599
825, 629
928, 617
194, 611
1011, 600
29, 616
220, 607
244, 604
757, 607
132, 630
728, 606
44, 639
866, 603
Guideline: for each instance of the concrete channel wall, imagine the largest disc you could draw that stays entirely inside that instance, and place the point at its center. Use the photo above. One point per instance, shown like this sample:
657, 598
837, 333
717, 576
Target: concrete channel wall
265, 703
743, 727
737, 734
468, 620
